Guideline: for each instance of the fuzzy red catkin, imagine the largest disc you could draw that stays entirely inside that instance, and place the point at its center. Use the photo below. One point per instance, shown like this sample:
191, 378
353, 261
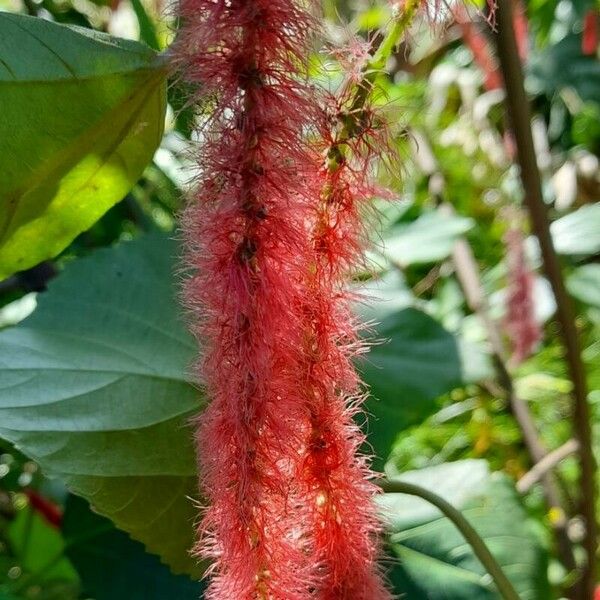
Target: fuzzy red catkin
271, 237
589, 37
521, 324
247, 244
334, 474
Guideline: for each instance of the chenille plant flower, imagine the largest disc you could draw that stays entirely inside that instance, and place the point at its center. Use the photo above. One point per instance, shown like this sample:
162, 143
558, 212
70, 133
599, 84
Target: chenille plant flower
335, 474
523, 329
273, 233
248, 248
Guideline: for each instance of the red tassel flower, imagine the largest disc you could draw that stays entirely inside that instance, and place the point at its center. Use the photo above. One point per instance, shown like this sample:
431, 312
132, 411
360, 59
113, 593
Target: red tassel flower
521, 324
272, 235
335, 474
247, 245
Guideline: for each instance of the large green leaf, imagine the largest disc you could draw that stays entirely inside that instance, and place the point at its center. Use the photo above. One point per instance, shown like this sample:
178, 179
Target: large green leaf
429, 239
112, 566
413, 361
93, 386
435, 561
578, 233
416, 362
81, 114
584, 284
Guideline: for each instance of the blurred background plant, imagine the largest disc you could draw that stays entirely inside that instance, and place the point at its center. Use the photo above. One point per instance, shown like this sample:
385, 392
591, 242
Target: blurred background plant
451, 400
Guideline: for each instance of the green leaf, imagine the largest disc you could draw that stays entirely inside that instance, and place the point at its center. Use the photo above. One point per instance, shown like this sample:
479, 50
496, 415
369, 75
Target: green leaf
373, 18
147, 28
584, 284
547, 72
416, 362
114, 567
93, 387
39, 547
383, 297
435, 561
578, 233
428, 239
81, 114
476, 362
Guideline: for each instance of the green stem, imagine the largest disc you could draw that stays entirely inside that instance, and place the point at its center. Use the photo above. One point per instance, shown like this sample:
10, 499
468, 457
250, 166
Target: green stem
393, 36
27, 533
505, 587
364, 88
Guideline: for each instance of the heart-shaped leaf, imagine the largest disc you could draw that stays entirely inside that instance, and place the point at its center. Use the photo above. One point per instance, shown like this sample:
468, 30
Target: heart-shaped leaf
93, 387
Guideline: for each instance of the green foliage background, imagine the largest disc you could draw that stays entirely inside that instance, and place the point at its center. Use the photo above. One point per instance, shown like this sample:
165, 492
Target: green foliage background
96, 392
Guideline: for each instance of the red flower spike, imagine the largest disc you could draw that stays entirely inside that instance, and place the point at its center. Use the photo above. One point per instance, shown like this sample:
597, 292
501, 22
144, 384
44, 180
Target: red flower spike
480, 49
335, 476
48, 509
247, 245
271, 238
521, 27
479, 45
589, 39
521, 325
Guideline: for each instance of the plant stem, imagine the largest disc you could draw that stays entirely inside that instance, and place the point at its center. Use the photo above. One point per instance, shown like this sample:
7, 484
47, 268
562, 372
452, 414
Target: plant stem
467, 273
384, 51
505, 587
519, 113
364, 88
466, 270
546, 464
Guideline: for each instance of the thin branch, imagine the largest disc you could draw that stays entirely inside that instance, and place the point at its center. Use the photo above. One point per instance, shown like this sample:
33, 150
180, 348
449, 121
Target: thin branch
545, 465
520, 117
467, 272
374, 66
425, 284
364, 87
505, 587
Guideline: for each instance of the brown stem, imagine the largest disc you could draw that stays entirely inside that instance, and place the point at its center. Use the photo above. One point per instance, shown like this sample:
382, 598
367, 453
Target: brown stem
519, 113
551, 460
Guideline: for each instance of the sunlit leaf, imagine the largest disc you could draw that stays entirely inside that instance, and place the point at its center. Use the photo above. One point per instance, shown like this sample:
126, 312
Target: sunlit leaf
81, 114
428, 239
578, 233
